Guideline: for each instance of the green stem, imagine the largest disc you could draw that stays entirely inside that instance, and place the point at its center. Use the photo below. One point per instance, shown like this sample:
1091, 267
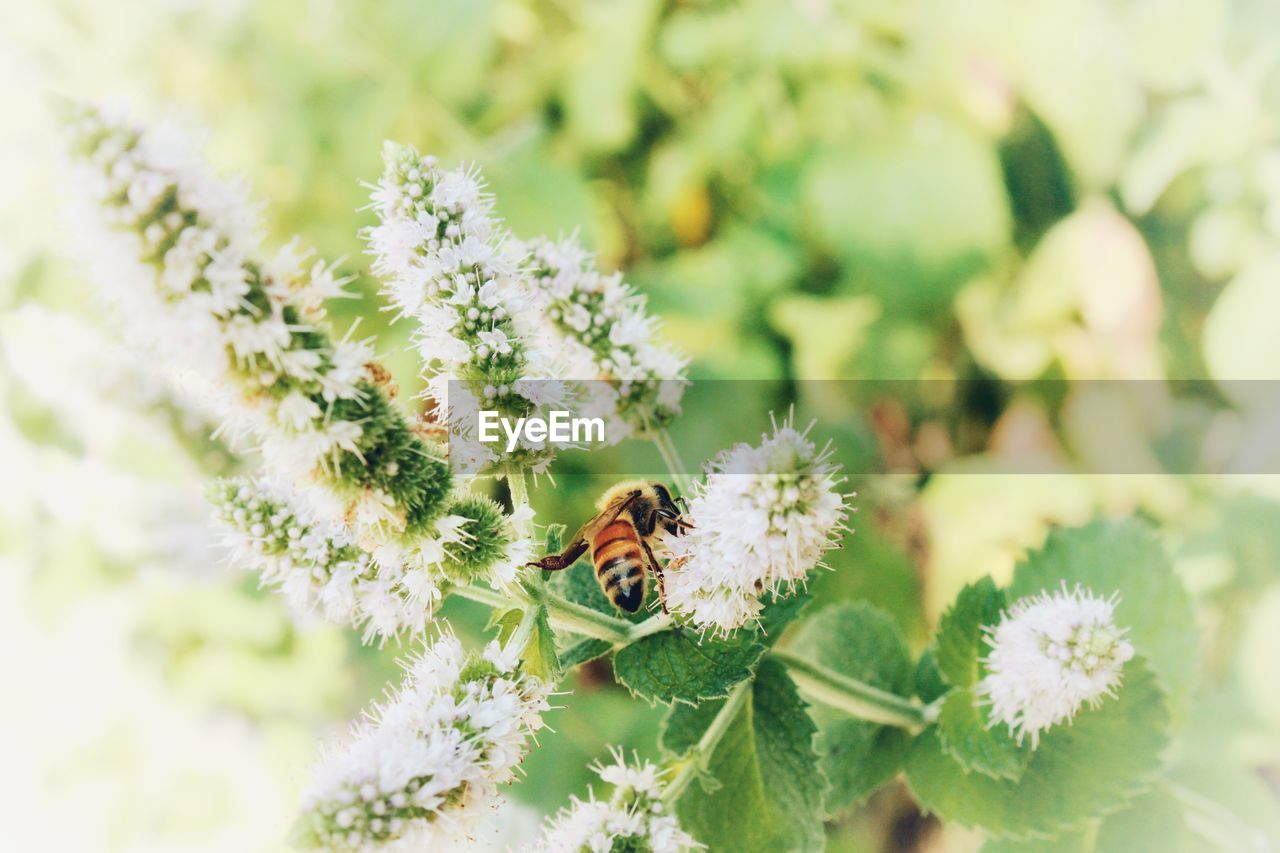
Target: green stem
838, 691
652, 625
852, 696
564, 615
671, 458
698, 757
577, 619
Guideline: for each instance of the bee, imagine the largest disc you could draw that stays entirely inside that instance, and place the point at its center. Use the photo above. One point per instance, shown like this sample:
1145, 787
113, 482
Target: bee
630, 516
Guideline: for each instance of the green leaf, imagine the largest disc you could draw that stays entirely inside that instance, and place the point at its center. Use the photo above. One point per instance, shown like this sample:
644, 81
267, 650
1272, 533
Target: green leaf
1077, 773
1123, 557
770, 795
863, 642
960, 640
927, 682
583, 651
505, 621
540, 655
778, 613
1152, 821
554, 542
674, 666
966, 737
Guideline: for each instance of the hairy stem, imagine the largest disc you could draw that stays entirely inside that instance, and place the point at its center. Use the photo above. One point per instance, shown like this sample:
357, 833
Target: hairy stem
696, 760
671, 458
852, 696
565, 615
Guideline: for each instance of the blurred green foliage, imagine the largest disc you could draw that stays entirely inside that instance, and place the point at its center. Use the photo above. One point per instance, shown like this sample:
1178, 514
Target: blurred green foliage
825, 189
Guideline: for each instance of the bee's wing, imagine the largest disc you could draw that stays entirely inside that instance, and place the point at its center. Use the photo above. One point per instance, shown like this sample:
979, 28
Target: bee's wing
611, 513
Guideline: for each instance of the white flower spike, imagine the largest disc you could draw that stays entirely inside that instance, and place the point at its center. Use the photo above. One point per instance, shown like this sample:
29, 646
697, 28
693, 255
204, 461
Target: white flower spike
176, 251
633, 818
1050, 654
763, 518
603, 332
425, 766
450, 266
318, 565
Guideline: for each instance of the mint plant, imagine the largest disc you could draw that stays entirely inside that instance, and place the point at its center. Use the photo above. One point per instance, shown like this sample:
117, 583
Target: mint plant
1038, 709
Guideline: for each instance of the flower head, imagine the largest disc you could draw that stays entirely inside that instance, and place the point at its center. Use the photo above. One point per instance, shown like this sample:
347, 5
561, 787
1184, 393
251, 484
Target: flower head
177, 255
450, 267
600, 326
1050, 654
386, 590
763, 517
420, 770
633, 818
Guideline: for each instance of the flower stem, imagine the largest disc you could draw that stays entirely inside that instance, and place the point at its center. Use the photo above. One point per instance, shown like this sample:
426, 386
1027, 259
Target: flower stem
652, 625
852, 696
671, 458
575, 618
565, 615
698, 757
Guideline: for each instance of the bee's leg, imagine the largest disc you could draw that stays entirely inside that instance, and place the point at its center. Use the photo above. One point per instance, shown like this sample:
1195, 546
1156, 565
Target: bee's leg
563, 560
659, 579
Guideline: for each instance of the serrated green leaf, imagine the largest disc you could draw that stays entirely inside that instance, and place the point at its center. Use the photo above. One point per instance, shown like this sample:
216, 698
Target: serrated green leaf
674, 666
554, 542
1123, 557
960, 641
505, 621
1077, 773
584, 651
966, 737
540, 655
926, 681
778, 613
859, 640
771, 790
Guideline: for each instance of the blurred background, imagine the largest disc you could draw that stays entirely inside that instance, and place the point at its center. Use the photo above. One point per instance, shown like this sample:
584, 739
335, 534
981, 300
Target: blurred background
970, 193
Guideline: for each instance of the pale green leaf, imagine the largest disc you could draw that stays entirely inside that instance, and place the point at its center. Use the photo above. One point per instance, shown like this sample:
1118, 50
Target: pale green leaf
863, 642
1077, 773
770, 793
1123, 558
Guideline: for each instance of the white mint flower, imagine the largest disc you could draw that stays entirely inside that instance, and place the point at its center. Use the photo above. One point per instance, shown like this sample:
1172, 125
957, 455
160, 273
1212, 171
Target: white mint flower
177, 254
633, 818
451, 267
1050, 654
426, 764
763, 518
600, 326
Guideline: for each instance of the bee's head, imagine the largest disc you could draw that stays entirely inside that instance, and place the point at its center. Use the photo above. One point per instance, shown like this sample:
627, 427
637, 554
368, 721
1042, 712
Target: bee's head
668, 507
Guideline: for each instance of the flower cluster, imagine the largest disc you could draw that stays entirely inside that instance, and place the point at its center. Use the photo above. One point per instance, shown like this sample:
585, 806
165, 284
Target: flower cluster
450, 266
179, 257
634, 818
318, 566
1050, 654
423, 767
606, 335
763, 517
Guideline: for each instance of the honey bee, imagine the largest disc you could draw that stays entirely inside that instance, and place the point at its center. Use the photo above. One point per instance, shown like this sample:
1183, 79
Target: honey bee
631, 515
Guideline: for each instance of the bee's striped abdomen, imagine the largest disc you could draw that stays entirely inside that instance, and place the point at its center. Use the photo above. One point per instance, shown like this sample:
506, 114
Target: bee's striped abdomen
615, 551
